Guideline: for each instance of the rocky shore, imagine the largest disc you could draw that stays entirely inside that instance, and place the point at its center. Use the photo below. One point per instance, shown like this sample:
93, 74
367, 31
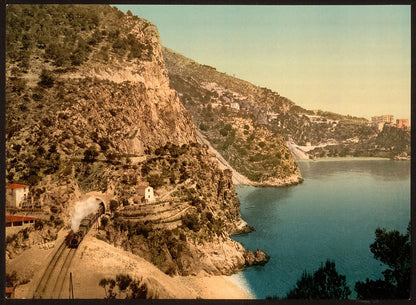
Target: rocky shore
239, 178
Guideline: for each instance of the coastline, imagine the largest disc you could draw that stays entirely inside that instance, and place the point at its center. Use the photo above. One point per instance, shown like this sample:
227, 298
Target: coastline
332, 159
238, 280
217, 286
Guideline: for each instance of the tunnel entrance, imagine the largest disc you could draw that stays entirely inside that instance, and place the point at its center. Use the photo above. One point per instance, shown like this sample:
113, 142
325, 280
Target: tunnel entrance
101, 206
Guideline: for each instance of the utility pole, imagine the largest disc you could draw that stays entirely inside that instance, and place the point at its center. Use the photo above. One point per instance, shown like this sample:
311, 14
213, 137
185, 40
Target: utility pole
71, 287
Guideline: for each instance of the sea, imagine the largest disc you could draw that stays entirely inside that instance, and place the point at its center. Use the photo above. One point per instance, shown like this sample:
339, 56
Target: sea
332, 215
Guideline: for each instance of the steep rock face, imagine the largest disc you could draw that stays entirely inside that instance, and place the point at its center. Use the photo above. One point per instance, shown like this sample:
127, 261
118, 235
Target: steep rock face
126, 102
89, 111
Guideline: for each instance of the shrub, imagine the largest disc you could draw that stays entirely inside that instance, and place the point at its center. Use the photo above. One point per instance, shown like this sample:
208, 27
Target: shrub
203, 127
325, 283
54, 209
47, 78
191, 221
90, 154
155, 181
113, 205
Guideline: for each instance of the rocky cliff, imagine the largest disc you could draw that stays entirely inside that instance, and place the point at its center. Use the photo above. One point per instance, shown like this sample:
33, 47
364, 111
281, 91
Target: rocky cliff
89, 110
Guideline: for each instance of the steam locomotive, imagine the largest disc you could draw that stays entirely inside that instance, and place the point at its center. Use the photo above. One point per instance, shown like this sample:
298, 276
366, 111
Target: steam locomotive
73, 239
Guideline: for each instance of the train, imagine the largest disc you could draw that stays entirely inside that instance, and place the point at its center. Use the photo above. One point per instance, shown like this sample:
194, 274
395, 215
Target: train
73, 239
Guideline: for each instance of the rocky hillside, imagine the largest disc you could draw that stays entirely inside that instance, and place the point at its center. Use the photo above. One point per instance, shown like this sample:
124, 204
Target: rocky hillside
251, 135
89, 109
240, 135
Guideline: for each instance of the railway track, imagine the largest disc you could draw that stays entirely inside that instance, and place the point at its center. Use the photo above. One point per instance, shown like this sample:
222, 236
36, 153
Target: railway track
53, 279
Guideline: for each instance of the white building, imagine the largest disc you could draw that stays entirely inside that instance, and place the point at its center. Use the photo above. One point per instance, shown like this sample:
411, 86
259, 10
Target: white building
235, 105
146, 191
16, 195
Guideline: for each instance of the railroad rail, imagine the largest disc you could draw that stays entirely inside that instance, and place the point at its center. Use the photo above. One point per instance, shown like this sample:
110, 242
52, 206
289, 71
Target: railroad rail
53, 279
59, 257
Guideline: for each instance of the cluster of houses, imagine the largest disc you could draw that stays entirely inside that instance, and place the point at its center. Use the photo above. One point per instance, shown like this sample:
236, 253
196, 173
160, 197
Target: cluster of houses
225, 98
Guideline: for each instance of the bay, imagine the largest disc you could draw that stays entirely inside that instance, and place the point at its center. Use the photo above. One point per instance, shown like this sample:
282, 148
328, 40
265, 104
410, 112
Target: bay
332, 215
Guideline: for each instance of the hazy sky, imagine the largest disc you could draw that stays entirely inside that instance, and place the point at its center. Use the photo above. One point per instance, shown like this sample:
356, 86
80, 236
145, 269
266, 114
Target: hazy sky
347, 59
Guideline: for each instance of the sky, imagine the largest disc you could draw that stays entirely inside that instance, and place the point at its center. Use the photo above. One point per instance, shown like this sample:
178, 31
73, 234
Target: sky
352, 60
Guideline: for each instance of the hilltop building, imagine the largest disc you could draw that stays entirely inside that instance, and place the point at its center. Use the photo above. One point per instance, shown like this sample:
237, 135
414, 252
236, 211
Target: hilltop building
146, 191
386, 118
16, 195
380, 120
402, 123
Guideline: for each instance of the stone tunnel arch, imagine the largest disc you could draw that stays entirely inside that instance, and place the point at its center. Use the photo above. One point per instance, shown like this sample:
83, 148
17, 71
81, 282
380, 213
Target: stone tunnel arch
101, 204
101, 198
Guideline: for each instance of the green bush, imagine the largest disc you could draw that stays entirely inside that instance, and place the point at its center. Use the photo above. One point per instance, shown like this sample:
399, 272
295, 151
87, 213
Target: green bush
203, 127
191, 221
90, 154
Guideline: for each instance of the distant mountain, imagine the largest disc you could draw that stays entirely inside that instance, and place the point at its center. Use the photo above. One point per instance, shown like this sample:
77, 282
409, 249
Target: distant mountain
253, 138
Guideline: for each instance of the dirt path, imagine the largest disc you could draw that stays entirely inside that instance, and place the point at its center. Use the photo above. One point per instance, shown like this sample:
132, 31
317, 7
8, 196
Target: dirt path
298, 153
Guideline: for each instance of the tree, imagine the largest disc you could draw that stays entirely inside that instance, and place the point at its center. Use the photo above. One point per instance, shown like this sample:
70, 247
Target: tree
47, 78
113, 205
90, 154
123, 281
133, 289
325, 283
104, 221
103, 283
393, 249
11, 279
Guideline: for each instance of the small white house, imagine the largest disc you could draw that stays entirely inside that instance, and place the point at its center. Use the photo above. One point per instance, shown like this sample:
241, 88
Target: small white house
146, 191
16, 195
235, 105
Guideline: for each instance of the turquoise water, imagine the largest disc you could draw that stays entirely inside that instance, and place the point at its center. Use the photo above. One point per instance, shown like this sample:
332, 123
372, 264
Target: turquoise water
333, 214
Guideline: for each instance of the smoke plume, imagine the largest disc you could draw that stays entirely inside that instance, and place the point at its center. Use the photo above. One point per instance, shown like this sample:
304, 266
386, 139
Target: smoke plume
83, 209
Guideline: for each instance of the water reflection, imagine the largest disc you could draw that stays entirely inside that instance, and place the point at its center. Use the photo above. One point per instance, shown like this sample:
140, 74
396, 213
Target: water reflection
264, 195
385, 170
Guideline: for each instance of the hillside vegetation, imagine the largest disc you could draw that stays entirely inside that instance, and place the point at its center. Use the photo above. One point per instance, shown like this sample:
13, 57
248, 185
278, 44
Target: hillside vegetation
253, 138
89, 109
241, 137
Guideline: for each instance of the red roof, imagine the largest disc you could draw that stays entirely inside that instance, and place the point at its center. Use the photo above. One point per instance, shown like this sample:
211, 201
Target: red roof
16, 186
9, 289
14, 218
142, 186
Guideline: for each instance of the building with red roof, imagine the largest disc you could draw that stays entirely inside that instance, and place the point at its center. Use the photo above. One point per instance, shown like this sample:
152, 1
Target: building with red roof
14, 220
9, 292
16, 195
146, 191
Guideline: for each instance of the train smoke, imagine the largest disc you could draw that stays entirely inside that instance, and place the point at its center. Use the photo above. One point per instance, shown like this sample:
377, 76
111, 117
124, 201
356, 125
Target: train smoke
83, 209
